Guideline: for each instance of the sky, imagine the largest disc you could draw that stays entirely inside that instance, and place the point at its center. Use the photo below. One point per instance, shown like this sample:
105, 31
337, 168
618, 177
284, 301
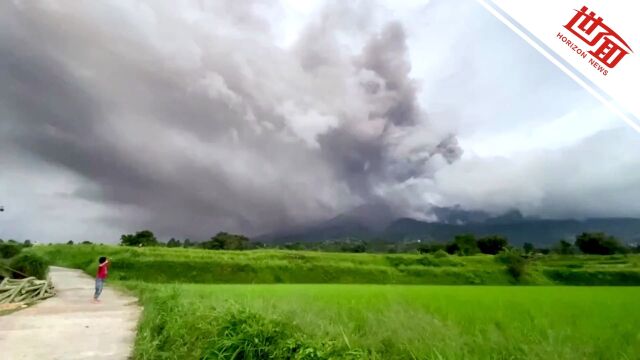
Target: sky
193, 117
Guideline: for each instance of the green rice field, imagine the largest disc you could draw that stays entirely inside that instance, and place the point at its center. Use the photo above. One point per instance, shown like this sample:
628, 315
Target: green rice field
392, 321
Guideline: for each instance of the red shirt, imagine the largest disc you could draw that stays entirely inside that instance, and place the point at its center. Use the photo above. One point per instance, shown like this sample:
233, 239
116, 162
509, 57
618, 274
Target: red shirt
102, 270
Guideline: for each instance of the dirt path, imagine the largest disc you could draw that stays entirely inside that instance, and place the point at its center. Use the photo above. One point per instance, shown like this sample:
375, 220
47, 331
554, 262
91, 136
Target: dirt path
68, 326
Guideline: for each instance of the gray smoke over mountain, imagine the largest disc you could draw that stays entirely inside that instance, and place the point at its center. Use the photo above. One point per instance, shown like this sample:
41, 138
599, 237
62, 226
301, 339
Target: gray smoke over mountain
191, 119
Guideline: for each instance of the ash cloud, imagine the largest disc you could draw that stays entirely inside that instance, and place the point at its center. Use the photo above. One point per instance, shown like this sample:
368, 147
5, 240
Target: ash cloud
190, 120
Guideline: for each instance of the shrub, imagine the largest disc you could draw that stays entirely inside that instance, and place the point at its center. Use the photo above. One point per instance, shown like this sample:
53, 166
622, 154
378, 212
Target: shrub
245, 334
466, 244
29, 264
440, 254
593, 277
564, 248
492, 244
357, 247
544, 251
599, 244
430, 247
528, 248
8, 250
171, 325
452, 248
515, 263
424, 248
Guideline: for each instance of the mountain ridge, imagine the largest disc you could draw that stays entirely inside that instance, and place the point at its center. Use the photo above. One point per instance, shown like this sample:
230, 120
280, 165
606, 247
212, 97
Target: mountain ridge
376, 224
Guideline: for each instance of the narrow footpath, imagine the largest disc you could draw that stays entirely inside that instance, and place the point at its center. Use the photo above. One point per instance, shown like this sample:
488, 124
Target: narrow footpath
68, 326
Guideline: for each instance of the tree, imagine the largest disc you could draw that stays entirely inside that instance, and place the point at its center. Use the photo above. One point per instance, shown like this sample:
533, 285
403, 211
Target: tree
452, 248
235, 242
173, 243
141, 238
514, 262
294, 246
544, 251
27, 243
467, 244
528, 248
598, 243
492, 244
424, 248
70, 242
354, 247
226, 241
215, 243
86, 242
563, 247
187, 243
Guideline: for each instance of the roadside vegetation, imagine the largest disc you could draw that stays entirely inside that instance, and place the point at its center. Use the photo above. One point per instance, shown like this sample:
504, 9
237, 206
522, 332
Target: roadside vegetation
16, 264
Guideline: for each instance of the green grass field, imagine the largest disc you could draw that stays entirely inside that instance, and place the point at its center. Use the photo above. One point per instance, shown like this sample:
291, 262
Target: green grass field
272, 304
280, 266
392, 321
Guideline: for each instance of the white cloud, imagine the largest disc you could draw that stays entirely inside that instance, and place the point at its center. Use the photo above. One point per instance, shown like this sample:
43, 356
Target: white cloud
545, 134
592, 177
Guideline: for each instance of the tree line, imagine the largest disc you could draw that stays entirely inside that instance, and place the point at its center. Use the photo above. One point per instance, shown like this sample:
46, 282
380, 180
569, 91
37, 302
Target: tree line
594, 243
468, 244
221, 241
597, 243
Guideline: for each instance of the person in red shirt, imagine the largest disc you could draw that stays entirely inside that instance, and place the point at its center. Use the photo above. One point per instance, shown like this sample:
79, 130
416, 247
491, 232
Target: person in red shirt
103, 265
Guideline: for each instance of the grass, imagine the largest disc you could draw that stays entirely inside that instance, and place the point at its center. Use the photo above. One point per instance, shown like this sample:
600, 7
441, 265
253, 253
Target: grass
280, 266
4, 271
271, 304
391, 321
29, 264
